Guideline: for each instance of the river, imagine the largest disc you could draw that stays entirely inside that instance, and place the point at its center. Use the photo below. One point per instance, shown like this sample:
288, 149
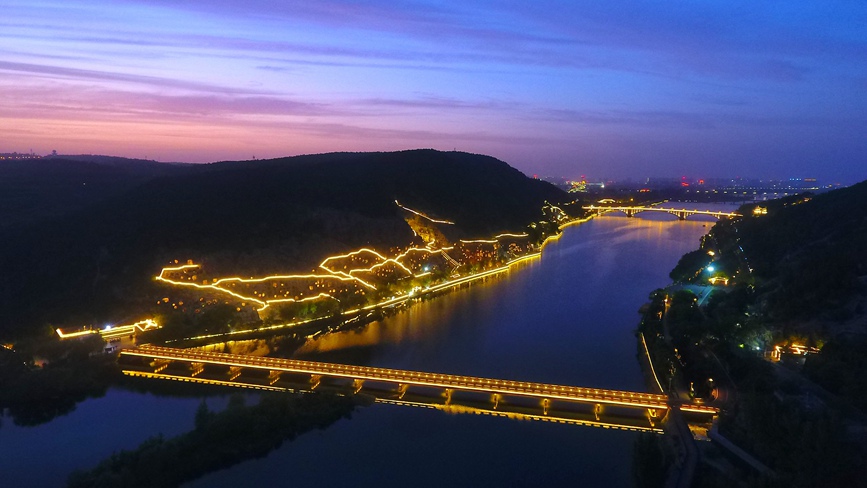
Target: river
566, 318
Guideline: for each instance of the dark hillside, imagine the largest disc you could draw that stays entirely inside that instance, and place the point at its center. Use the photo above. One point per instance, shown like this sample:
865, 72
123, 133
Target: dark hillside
810, 252
36, 189
250, 217
481, 194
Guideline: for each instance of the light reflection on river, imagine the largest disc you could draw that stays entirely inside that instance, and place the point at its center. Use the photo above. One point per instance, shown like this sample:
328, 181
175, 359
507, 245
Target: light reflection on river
565, 318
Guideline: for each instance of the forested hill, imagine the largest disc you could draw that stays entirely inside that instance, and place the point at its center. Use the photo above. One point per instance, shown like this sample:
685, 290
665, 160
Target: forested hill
810, 253
247, 217
37, 189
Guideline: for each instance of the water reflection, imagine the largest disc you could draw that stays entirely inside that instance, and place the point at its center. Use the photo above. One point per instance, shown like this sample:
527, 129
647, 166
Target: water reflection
567, 318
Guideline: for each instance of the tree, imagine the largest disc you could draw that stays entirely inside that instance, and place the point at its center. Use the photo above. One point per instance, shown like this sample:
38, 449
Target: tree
203, 416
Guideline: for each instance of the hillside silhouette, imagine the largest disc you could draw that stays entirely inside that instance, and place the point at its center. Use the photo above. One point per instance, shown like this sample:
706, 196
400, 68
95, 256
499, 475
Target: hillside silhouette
96, 262
37, 189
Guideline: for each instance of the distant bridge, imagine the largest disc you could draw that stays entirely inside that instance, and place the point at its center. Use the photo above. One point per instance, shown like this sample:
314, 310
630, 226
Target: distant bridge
454, 393
681, 213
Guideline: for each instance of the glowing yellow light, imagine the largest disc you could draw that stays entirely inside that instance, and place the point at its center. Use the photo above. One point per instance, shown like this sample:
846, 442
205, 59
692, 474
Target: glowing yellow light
674, 211
420, 214
71, 335
362, 373
348, 273
112, 332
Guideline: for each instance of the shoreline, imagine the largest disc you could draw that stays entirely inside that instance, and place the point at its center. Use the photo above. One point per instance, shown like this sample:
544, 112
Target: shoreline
351, 317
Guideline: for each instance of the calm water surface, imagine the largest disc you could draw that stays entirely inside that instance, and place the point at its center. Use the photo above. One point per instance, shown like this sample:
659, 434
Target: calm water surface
566, 318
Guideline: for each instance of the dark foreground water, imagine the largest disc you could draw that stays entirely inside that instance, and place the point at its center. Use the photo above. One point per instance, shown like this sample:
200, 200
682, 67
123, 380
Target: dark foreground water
566, 318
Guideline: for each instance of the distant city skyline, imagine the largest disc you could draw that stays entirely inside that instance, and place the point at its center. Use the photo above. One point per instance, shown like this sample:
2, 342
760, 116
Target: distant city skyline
614, 90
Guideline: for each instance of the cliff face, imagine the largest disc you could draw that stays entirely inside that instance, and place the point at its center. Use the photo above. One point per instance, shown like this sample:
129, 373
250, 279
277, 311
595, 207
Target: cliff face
246, 217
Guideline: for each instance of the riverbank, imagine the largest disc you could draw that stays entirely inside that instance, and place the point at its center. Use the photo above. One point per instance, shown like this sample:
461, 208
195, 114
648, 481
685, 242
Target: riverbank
773, 429
357, 318
555, 320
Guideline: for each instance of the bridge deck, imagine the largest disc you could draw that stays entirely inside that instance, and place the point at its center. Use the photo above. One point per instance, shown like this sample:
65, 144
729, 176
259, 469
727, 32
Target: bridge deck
604, 419
675, 211
445, 381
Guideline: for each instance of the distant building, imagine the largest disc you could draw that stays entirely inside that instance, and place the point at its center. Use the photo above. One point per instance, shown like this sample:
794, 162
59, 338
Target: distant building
17, 156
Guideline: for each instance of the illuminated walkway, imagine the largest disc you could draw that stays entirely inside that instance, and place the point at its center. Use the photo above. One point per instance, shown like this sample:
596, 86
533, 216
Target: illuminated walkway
680, 213
492, 396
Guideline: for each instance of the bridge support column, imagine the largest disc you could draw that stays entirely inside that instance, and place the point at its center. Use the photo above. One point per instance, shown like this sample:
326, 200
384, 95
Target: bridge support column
356, 385
234, 372
160, 364
597, 410
651, 416
273, 376
196, 368
546, 403
401, 390
315, 379
630, 212
448, 396
496, 400
681, 215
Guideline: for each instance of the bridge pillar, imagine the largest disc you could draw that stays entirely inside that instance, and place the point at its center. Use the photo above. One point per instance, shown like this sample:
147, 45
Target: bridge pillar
448, 396
630, 212
651, 416
160, 364
496, 400
681, 215
234, 372
315, 379
401, 390
196, 368
546, 403
597, 410
356, 385
273, 376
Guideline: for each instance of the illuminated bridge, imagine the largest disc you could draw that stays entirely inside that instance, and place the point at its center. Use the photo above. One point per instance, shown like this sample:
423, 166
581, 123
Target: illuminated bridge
454, 393
681, 214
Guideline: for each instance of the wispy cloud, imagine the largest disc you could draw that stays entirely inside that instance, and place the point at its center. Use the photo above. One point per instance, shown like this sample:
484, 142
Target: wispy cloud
579, 75
50, 71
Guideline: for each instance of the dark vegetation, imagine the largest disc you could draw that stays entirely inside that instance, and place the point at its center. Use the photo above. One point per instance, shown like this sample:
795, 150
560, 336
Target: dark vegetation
690, 265
801, 435
809, 253
800, 271
32, 394
841, 368
34, 190
650, 461
93, 260
219, 440
661, 352
797, 277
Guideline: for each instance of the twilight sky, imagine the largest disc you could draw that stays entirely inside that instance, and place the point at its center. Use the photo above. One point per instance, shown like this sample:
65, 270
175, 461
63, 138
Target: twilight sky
770, 89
